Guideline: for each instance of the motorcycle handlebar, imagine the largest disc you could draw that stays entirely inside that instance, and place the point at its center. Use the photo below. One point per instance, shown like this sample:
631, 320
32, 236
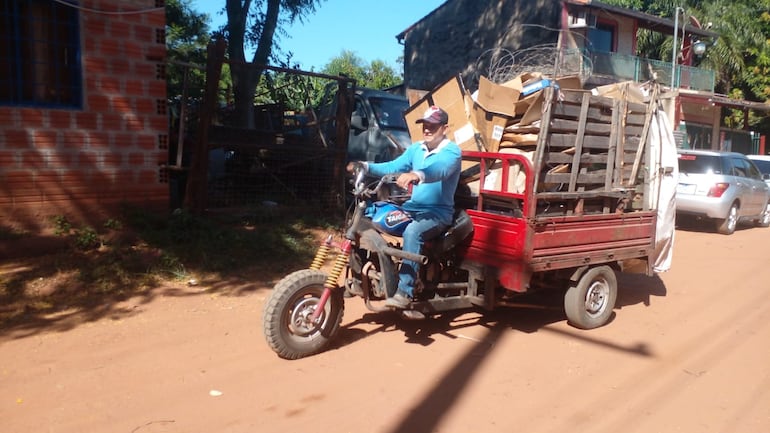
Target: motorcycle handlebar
360, 186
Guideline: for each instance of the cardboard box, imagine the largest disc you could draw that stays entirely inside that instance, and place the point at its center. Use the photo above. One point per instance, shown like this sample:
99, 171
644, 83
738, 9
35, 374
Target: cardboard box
414, 95
490, 126
627, 90
533, 108
452, 97
532, 105
414, 112
496, 98
512, 98
571, 82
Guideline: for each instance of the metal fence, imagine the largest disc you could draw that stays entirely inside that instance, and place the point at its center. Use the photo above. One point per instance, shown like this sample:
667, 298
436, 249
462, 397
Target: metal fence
627, 67
285, 160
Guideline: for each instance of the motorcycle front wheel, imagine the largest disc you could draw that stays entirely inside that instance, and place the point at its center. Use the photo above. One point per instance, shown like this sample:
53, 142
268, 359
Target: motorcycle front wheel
288, 325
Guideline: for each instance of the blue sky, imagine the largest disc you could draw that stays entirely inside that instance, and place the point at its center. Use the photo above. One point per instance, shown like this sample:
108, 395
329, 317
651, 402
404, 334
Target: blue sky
366, 27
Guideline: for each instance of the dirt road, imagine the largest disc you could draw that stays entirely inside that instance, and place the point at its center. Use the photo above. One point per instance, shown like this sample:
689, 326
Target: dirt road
686, 352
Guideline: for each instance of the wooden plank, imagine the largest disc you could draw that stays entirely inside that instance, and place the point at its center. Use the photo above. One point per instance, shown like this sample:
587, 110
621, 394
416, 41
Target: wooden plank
644, 134
631, 144
595, 114
576, 96
592, 128
542, 144
620, 161
582, 194
560, 140
585, 158
614, 135
565, 125
581, 129
595, 177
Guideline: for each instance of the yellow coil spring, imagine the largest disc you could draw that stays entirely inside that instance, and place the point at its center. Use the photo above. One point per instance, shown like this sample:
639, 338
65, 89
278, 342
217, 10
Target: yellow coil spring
320, 257
339, 265
321, 254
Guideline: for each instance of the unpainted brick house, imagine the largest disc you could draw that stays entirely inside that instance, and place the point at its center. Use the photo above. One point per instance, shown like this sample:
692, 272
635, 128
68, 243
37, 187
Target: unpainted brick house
83, 124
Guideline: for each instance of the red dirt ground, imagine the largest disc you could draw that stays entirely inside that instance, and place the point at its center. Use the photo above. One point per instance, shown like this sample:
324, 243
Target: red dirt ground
686, 352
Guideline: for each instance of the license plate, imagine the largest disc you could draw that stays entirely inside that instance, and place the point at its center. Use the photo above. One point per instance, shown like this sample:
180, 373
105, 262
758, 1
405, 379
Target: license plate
684, 188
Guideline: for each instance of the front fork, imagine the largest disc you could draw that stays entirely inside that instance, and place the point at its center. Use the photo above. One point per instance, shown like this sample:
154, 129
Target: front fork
339, 263
331, 281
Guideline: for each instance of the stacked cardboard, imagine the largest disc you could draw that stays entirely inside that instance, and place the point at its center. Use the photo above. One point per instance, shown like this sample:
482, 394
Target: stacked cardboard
494, 118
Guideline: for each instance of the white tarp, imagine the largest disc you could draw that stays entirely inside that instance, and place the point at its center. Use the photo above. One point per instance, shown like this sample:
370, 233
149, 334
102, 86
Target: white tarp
664, 172
662, 165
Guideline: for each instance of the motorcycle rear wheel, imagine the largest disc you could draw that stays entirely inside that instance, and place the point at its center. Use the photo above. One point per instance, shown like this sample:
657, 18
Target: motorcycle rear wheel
287, 318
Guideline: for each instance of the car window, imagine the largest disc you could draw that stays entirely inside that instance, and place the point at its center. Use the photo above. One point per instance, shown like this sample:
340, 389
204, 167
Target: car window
753, 171
739, 167
390, 112
727, 166
360, 110
700, 164
744, 168
763, 166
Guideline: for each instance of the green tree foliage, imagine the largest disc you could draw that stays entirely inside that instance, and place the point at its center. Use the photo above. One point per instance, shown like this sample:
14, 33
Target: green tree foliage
755, 80
741, 44
187, 36
376, 75
757, 76
740, 57
256, 24
296, 92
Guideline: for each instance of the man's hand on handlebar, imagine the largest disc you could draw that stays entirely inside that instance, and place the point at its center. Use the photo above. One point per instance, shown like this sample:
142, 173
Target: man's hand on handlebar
406, 180
353, 166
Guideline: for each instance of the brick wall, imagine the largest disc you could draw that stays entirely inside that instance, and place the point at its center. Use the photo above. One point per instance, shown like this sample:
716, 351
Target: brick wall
83, 163
458, 36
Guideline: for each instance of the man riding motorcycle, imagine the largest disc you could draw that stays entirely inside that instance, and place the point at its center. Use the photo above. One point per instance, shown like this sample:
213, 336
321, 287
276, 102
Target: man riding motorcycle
433, 166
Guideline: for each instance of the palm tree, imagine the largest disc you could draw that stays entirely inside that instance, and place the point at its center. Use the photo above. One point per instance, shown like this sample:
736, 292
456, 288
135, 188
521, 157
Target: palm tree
736, 22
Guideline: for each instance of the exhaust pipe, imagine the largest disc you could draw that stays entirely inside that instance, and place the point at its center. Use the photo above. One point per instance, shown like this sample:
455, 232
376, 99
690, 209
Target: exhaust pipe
395, 252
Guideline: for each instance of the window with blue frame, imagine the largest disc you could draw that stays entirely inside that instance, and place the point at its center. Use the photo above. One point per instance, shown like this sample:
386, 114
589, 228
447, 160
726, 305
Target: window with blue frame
39, 54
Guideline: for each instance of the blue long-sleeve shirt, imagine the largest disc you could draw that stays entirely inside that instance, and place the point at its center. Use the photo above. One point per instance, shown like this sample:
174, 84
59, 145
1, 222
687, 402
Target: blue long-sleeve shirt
439, 172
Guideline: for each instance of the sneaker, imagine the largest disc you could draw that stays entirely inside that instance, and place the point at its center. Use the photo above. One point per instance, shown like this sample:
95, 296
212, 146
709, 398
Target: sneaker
399, 300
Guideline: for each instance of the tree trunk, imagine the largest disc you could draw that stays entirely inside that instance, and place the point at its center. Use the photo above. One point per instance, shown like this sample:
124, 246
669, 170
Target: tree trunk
245, 80
245, 76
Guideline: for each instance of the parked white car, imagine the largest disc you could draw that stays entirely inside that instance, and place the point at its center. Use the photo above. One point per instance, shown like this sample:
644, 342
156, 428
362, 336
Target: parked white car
725, 187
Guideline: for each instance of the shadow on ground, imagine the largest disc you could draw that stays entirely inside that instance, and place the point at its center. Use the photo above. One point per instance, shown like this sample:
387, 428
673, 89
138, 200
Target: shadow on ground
533, 314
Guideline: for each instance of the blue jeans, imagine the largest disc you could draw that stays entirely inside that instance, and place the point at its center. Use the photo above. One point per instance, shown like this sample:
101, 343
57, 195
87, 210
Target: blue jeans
424, 226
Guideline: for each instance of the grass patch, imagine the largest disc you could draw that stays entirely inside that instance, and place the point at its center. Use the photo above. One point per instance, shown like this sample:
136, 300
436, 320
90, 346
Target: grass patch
143, 250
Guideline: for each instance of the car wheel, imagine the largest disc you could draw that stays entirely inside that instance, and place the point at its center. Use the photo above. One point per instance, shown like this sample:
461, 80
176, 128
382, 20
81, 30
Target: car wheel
727, 225
764, 218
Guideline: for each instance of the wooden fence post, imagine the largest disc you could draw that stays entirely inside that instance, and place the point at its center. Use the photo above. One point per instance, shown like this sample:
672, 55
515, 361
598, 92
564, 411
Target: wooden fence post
197, 182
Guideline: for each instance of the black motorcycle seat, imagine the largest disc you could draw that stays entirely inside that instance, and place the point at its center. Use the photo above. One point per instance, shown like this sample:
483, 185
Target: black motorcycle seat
461, 227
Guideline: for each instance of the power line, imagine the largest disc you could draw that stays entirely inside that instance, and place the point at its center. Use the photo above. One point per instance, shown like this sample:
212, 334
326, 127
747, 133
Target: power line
103, 12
